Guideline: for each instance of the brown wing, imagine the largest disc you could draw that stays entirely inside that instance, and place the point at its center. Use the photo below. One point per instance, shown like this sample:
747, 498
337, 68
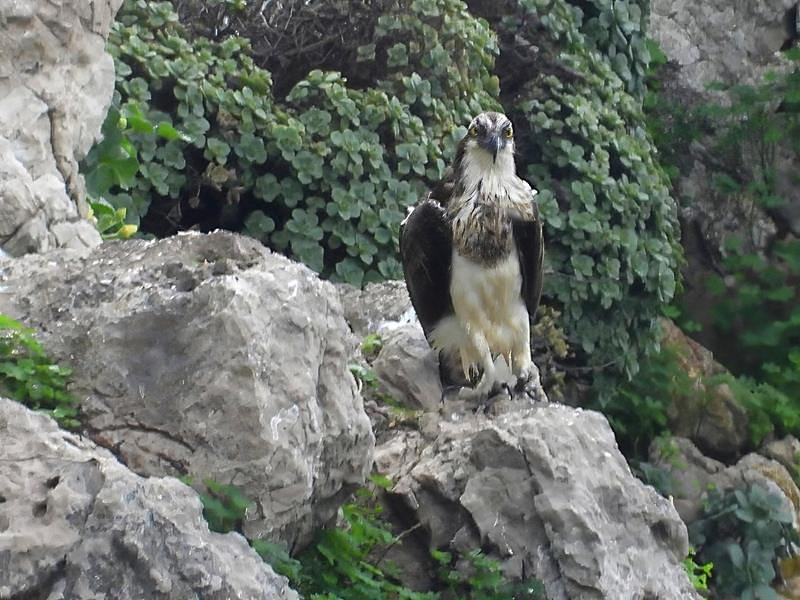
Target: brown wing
530, 248
426, 253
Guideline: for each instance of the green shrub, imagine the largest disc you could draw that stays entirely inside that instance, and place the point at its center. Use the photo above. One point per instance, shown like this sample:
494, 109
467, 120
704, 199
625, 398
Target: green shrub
616, 29
28, 376
761, 306
637, 410
743, 532
309, 175
770, 412
757, 295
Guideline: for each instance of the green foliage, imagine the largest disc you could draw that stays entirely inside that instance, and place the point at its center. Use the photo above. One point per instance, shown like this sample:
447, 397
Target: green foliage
698, 574
484, 579
769, 411
758, 301
371, 345
224, 506
28, 376
743, 532
110, 221
309, 175
112, 167
762, 306
671, 120
616, 29
611, 225
637, 410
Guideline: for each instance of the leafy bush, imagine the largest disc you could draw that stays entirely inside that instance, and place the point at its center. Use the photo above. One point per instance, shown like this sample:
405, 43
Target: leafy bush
761, 305
616, 29
769, 411
743, 532
310, 175
28, 376
112, 165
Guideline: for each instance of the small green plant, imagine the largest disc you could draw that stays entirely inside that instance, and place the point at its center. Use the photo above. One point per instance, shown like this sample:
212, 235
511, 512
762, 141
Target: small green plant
743, 532
483, 579
698, 574
371, 345
769, 410
110, 222
113, 165
28, 376
224, 506
364, 375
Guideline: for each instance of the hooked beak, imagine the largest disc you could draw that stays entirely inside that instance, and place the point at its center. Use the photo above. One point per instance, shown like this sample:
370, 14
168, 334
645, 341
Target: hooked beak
492, 144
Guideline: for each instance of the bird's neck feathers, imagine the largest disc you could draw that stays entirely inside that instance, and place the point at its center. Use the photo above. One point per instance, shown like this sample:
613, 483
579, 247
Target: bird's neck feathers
479, 173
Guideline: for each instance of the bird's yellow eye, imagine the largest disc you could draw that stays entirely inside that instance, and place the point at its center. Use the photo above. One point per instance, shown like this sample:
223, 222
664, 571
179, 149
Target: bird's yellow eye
509, 133
473, 131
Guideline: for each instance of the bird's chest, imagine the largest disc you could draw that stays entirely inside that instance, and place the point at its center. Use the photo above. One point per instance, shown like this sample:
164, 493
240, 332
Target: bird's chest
482, 294
482, 230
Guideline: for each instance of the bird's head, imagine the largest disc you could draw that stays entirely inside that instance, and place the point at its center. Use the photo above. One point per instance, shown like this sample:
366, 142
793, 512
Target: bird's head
490, 135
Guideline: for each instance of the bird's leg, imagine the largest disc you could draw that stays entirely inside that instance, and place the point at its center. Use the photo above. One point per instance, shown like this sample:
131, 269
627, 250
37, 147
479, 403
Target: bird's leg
523, 368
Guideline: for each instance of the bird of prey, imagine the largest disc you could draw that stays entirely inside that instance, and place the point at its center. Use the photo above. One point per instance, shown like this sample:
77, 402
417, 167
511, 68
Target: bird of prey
472, 257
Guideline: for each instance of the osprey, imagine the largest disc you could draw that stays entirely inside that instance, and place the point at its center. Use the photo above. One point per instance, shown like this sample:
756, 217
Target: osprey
472, 257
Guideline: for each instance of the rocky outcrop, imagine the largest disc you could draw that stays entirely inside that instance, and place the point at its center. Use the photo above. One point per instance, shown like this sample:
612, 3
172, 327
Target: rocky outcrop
56, 82
692, 474
728, 42
546, 491
207, 355
77, 525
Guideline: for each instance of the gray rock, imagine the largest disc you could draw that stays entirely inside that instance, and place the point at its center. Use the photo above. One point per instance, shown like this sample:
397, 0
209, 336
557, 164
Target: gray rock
721, 41
77, 525
693, 475
378, 308
786, 451
56, 82
408, 369
545, 488
207, 355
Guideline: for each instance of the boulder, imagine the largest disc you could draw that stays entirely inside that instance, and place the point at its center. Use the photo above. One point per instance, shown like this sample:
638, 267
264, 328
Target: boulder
56, 82
786, 451
707, 414
408, 369
77, 525
544, 490
207, 355
693, 474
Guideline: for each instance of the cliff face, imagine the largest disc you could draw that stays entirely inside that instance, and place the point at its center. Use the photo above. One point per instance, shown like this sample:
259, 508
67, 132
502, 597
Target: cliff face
56, 82
728, 43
